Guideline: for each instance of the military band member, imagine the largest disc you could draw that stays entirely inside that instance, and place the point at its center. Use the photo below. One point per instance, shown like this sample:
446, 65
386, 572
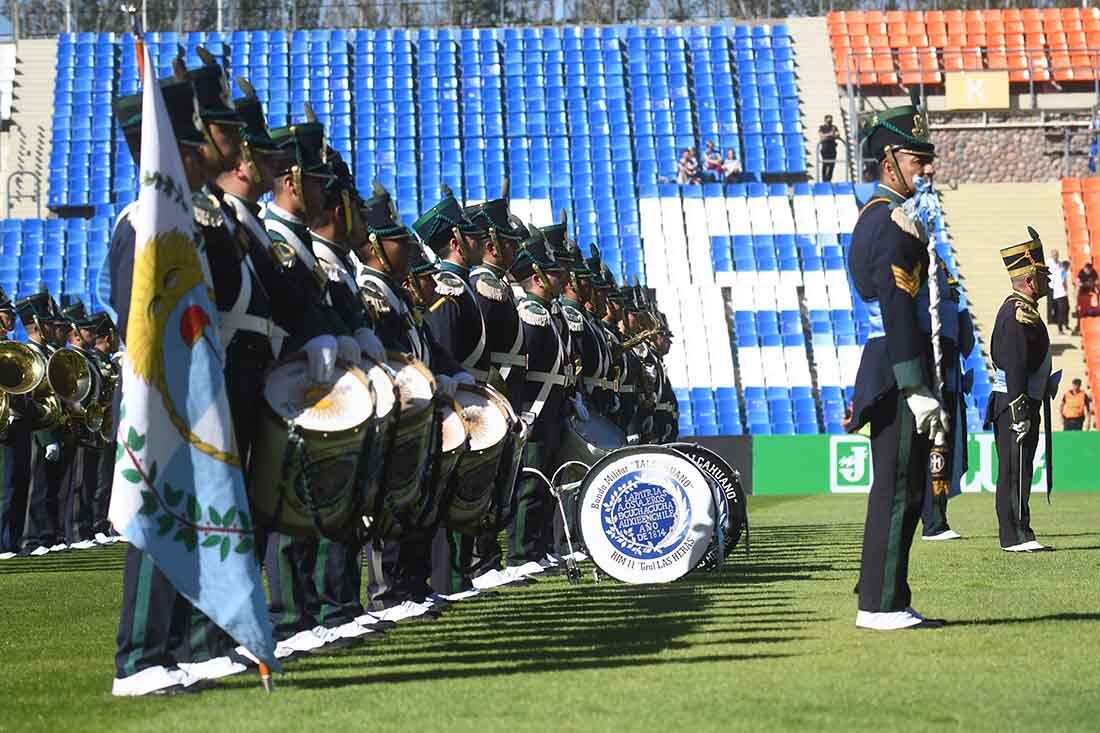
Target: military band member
83, 442
106, 348
46, 330
626, 364
397, 570
638, 329
491, 286
492, 289
894, 389
1020, 348
149, 646
668, 410
543, 398
605, 393
15, 455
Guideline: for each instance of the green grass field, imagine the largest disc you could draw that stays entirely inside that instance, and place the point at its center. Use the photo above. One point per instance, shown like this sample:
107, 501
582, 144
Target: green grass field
768, 643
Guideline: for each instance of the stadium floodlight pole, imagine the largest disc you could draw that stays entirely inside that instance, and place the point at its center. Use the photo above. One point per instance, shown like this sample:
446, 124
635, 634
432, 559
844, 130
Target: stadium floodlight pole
219, 3
68, 16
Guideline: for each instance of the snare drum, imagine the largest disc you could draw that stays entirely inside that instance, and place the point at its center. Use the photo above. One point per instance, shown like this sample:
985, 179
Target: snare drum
411, 453
729, 498
383, 381
646, 514
452, 446
306, 476
589, 440
489, 419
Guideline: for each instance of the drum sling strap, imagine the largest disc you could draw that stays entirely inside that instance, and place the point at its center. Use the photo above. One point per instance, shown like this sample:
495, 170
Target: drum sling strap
475, 356
419, 349
548, 379
238, 318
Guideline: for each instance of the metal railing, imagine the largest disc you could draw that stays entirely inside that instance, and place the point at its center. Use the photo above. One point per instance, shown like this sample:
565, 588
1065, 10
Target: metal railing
36, 196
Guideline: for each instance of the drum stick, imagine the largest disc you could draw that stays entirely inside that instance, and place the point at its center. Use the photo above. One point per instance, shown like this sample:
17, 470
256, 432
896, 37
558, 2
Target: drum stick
265, 678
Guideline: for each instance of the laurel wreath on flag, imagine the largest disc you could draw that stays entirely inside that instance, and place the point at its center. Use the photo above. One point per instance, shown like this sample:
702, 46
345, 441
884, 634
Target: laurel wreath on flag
226, 530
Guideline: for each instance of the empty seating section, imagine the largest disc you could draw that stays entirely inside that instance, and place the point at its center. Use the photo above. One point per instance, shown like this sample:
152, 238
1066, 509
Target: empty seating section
1081, 207
770, 117
590, 120
916, 47
82, 123
7, 79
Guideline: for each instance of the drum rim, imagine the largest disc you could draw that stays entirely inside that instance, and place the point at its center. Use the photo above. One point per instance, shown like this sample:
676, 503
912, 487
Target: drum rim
624, 452
347, 367
499, 400
573, 420
456, 409
419, 366
390, 374
742, 500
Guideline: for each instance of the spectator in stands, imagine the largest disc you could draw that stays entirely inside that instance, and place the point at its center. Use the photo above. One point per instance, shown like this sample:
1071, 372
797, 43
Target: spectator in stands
828, 135
1076, 408
731, 167
1087, 278
1059, 296
1088, 294
688, 171
712, 159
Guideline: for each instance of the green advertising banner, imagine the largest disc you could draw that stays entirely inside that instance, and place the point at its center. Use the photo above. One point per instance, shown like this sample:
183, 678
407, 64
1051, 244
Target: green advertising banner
841, 464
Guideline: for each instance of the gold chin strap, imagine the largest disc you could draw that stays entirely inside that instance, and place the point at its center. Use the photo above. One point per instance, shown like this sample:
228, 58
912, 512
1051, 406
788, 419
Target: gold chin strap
346, 198
254, 173
463, 250
412, 283
573, 282
892, 162
296, 178
379, 252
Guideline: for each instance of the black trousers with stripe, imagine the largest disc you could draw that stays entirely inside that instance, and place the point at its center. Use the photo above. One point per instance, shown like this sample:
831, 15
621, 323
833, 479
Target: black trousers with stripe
900, 457
1014, 515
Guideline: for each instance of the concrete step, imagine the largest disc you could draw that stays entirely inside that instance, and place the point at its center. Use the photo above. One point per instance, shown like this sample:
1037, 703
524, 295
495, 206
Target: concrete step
985, 217
817, 86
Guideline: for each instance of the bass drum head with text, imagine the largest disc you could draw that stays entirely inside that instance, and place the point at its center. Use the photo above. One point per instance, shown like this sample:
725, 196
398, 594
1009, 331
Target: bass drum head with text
646, 514
728, 492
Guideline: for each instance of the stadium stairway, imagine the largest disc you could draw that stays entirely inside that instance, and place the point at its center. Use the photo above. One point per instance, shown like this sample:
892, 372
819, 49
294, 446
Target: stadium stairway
817, 84
985, 217
27, 144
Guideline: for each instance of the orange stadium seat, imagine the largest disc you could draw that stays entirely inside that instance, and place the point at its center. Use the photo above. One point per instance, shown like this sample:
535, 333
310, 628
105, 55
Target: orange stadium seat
979, 40
1058, 40
954, 16
1018, 67
879, 42
1083, 66
1051, 14
1031, 15
920, 41
837, 31
1012, 41
895, 16
994, 25
1038, 65
1076, 39
1061, 65
1090, 184
896, 30
875, 16
915, 29
909, 65
937, 38
876, 28
857, 29
934, 16
842, 42
1071, 185
996, 58
1092, 40
884, 69
1014, 26
1071, 24
1033, 41
1009, 14
956, 28
859, 42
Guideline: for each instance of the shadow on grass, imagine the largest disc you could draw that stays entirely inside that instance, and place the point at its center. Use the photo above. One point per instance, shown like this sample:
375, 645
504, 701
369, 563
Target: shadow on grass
1028, 619
93, 560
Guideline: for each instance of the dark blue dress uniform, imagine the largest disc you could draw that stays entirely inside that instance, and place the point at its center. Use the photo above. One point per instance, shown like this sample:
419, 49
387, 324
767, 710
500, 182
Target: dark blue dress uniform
493, 292
397, 569
41, 517
1020, 347
888, 264
543, 400
15, 445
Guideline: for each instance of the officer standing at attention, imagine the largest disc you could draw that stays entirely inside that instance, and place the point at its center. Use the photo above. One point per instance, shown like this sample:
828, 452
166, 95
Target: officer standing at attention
543, 397
106, 347
1020, 348
894, 389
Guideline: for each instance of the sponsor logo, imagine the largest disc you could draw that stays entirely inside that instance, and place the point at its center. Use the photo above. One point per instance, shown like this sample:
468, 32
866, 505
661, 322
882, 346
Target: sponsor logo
850, 467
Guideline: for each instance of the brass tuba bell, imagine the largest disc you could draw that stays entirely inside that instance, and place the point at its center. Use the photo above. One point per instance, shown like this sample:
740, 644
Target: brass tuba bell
23, 372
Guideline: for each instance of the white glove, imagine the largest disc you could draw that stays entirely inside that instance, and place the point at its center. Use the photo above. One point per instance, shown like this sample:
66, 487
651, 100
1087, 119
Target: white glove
321, 356
579, 408
464, 378
53, 452
1021, 429
370, 345
446, 385
926, 410
347, 350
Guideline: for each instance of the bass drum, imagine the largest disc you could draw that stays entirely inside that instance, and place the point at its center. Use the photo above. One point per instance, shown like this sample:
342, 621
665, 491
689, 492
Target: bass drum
729, 497
646, 514
305, 475
453, 443
589, 440
411, 452
488, 417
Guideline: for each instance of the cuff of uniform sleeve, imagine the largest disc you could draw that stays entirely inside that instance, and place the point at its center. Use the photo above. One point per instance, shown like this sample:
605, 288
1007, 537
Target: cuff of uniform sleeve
910, 374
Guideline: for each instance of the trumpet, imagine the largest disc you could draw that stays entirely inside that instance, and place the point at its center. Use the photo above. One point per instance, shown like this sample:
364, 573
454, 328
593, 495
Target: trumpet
23, 372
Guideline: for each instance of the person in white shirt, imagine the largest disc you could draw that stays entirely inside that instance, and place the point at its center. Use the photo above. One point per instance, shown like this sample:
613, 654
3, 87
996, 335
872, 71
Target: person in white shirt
1059, 295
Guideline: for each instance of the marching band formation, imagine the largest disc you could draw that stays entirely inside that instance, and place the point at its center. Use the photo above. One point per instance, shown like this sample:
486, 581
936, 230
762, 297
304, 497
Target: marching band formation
400, 396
